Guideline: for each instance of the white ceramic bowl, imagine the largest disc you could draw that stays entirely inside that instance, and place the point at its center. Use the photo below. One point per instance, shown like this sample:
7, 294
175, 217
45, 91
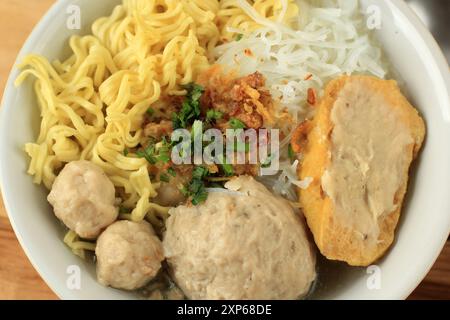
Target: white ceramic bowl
425, 221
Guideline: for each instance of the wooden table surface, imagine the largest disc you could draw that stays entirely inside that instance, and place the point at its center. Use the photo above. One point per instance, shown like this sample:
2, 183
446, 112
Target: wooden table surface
18, 279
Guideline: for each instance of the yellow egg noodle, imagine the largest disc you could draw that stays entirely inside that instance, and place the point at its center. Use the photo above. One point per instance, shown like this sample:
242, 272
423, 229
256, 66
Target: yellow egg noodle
93, 104
78, 247
233, 19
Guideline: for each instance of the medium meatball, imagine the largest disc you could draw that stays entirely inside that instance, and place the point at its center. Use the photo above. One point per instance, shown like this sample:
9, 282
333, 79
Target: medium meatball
244, 243
128, 255
83, 198
169, 195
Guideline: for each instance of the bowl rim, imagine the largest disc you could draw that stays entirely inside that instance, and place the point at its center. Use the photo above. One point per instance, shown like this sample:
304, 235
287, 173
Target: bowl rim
441, 62
424, 34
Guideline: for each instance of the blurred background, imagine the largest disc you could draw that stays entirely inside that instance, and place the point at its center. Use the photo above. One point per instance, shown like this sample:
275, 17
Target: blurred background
435, 14
19, 280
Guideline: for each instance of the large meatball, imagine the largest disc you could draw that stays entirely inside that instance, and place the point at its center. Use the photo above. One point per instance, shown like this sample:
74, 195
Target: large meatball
83, 198
128, 254
242, 244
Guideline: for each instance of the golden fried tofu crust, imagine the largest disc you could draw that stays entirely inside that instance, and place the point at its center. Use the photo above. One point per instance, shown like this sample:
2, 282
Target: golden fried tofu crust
336, 237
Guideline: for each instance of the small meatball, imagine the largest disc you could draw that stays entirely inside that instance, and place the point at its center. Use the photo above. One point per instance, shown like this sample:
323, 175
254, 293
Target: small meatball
242, 244
169, 193
128, 254
83, 198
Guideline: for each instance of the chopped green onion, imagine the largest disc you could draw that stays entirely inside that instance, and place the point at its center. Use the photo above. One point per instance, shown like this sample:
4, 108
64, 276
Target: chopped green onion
123, 210
148, 153
185, 191
267, 162
150, 112
213, 115
153, 157
164, 151
196, 188
195, 91
164, 177
200, 197
172, 172
236, 124
291, 153
227, 169
239, 36
190, 109
163, 157
200, 173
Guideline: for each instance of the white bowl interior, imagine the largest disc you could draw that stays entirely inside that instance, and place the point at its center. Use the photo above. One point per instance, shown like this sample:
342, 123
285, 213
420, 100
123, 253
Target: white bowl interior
425, 221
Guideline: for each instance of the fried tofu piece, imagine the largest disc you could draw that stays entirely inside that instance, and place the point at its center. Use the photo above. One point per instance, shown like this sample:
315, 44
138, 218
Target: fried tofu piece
362, 141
